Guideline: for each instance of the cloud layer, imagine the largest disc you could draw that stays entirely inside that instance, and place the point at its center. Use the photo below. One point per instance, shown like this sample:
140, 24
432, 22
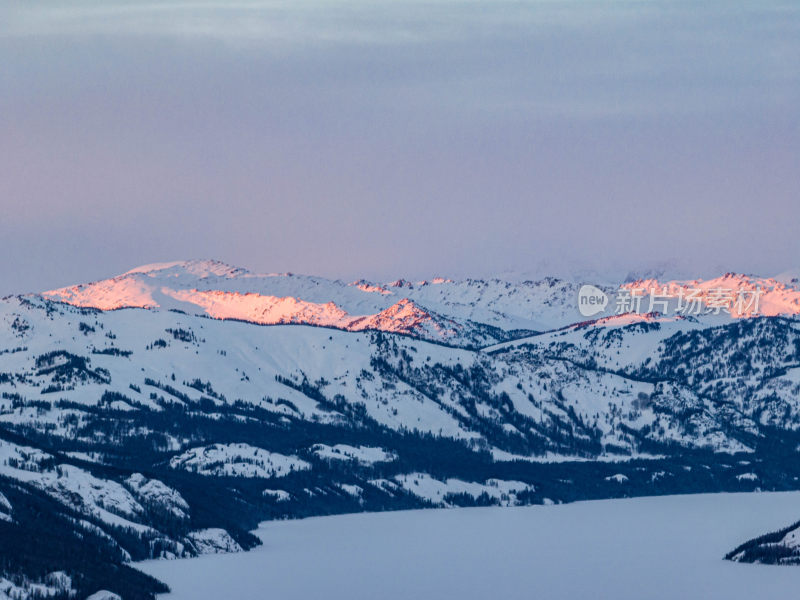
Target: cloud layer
407, 138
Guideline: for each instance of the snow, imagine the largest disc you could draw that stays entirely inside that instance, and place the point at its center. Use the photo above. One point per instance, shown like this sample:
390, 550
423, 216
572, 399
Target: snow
659, 548
237, 460
352, 490
5, 508
442, 311
363, 454
104, 499
779, 296
57, 582
199, 268
435, 491
791, 539
224, 292
104, 595
104, 496
550, 457
247, 362
278, 495
213, 541
95, 457
259, 352
157, 494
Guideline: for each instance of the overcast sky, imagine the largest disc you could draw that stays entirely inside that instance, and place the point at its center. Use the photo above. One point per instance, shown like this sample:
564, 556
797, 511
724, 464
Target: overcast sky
405, 138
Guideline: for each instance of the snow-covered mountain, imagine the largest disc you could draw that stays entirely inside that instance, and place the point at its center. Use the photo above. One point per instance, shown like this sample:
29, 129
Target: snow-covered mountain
155, 415
441, 309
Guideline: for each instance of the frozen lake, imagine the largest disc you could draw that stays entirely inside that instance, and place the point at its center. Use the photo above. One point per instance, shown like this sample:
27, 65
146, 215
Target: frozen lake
656, 548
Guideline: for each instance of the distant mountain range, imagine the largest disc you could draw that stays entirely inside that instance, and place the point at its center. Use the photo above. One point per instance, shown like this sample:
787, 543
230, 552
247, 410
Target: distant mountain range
155, 414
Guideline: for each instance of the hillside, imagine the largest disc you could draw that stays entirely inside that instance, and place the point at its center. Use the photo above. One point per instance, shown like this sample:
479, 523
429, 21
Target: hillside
166, 412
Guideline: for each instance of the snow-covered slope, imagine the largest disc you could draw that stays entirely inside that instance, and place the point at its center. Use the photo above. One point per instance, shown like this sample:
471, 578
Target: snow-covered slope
731, 292
224, 292
781, 547
130, 360
435, 309
154, 414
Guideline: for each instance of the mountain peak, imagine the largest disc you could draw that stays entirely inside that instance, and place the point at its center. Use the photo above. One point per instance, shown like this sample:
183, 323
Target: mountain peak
447, 311
197, 267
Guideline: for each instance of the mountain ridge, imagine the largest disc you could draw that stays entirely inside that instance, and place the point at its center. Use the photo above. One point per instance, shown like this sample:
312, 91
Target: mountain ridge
163, 432
467, 313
